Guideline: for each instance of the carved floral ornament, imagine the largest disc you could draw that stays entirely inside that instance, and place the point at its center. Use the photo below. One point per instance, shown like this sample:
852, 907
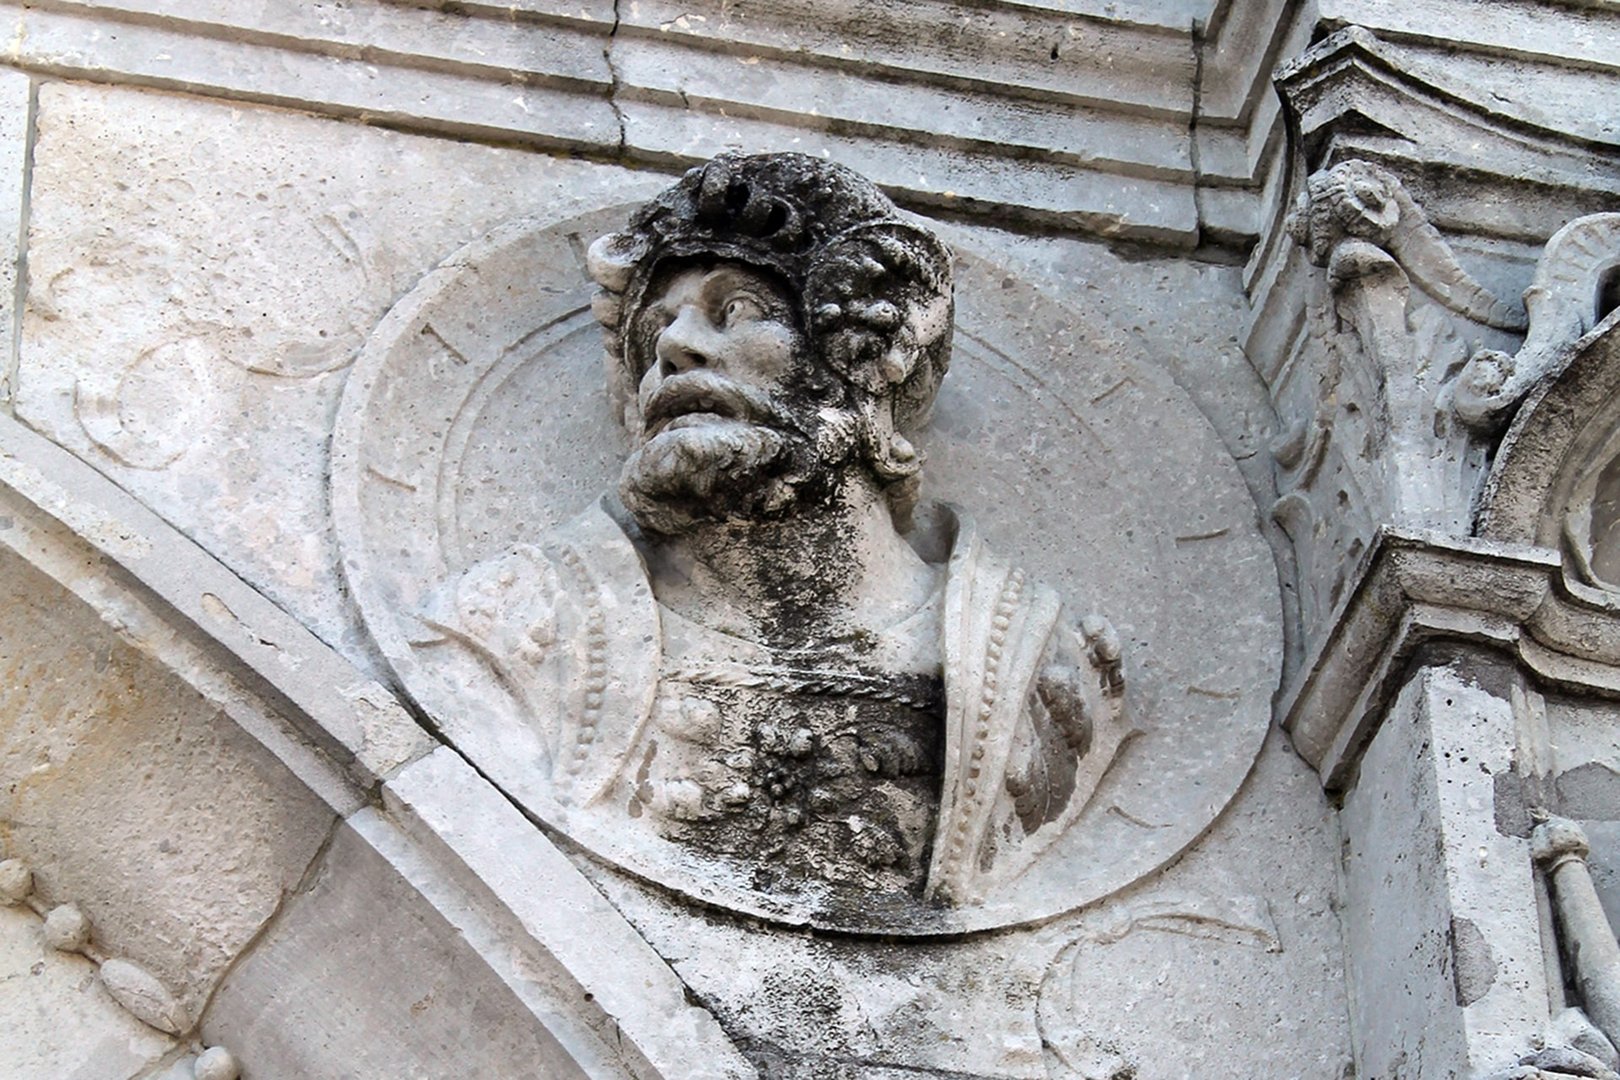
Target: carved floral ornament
764, 670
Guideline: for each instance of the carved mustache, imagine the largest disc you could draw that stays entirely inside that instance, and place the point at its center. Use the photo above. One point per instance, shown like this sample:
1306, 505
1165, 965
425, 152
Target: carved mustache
693, 392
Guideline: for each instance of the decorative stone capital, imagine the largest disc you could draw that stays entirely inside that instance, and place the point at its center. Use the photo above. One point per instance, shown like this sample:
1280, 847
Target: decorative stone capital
1558, 840
1390, 316
1417, 588
1357, 94
1357, 220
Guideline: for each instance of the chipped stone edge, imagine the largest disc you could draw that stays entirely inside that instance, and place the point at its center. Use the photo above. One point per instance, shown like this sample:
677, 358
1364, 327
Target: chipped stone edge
513, 874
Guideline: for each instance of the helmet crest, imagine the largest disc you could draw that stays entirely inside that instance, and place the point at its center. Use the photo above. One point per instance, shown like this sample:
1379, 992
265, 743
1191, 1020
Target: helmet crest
873, 290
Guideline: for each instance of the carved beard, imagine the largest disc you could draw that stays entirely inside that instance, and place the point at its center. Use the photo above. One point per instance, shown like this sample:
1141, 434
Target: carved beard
736, 470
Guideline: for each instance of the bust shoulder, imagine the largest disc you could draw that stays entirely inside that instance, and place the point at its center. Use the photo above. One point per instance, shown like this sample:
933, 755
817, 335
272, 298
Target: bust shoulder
552, 620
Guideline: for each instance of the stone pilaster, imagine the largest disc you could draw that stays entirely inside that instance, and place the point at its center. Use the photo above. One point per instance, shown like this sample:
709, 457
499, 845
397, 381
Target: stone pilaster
1452, 634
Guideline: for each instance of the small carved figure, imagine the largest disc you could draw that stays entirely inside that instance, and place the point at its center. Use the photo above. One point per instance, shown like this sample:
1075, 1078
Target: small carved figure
743, 650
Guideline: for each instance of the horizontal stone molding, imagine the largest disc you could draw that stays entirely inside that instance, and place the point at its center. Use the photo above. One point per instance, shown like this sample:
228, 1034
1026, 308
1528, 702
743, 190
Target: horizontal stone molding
1071, 116
1562, 34
1026, 102
426, 92
1423, 587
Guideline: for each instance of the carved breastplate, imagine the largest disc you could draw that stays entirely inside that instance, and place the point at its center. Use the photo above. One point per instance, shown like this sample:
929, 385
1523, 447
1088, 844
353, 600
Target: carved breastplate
814, 770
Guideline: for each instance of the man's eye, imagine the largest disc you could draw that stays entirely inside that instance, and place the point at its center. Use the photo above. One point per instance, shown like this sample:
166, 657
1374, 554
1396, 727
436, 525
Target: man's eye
739, 308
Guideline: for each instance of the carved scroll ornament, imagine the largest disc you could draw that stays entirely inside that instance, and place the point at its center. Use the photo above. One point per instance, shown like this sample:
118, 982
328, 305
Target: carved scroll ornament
1576, 284
1357, 219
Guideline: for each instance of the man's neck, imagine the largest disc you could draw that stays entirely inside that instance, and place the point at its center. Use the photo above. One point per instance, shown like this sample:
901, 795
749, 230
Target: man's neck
826, 573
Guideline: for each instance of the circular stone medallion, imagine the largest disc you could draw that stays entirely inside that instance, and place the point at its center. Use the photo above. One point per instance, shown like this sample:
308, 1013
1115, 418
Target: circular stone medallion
478, 418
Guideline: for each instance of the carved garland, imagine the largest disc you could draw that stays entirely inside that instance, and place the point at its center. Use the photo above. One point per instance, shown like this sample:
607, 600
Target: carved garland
67, 929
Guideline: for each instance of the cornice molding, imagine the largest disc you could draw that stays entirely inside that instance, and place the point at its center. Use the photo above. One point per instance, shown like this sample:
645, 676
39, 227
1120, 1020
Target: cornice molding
996, 109
1145, 122
1416, 588
1352, 78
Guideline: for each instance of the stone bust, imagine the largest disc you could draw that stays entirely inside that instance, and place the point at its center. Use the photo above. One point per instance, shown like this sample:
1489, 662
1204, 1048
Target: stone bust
744, 650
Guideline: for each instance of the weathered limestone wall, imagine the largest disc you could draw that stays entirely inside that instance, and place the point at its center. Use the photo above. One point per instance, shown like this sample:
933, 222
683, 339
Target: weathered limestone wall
200, 277
281, 849
176, 832
168, 234
1209, 969
1584, 745
1437, 879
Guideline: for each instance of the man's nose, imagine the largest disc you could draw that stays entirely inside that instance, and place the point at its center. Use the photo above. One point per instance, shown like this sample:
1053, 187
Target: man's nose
682, 345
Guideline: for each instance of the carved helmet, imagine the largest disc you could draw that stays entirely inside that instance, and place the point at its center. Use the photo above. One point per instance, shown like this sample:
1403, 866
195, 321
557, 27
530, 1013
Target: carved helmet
874, 290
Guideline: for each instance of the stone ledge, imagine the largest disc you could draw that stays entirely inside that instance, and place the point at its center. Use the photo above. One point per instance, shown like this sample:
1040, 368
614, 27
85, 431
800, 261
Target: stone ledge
1419, 587
995, 114
1565, 35
1371, 98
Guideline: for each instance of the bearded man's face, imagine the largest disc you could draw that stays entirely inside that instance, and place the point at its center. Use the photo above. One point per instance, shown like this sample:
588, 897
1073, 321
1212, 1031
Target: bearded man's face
738, 422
